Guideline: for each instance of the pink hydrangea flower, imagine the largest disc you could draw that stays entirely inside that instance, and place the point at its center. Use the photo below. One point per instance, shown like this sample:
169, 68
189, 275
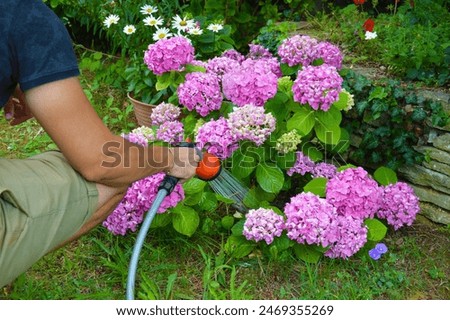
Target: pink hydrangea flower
263, 224
330, 54
169, 54
164, 112
354, 193
318, 86
311, 220
221, 65
257, 51
324, 170
252, 83
298, 50
352, 236
200, 91
400, 205
215, 136
251, 123
233, 54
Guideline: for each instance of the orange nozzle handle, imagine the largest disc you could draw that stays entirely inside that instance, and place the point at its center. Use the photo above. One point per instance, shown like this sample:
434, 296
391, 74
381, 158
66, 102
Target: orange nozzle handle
209, 168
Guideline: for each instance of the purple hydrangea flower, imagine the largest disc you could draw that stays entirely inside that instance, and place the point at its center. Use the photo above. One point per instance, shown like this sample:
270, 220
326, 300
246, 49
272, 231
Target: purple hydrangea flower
311, 220
251, 123
298, 49
200, 91
215, 136
351, 236
170, 132
233, 54
378, 251
330, 54
263, 224
324, 170
221, 65
354, 193
164, 112
257, 51
318, 86
400, 205
169, 54
251, 83
303, 165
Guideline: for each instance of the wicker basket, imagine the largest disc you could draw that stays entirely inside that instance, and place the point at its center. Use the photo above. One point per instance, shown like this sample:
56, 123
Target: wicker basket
142, 111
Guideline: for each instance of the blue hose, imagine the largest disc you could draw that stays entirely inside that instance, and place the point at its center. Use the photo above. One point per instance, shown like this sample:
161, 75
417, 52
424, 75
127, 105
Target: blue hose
140, 242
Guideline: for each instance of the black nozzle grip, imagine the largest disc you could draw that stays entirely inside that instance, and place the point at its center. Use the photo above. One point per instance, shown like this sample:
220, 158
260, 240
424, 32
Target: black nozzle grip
168, 184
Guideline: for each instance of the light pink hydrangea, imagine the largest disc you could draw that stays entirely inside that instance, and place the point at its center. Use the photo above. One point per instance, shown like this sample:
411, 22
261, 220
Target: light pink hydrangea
170, 132
354, 193
400, 205
221, 65
251, 83
352, 236
200, 92
251, 123
311, 220
263, 224
164, 112
215, 136
298, 50
169, 54
318, 86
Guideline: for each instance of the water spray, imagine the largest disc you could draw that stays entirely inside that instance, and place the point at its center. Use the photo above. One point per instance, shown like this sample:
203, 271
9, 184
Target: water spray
209, 169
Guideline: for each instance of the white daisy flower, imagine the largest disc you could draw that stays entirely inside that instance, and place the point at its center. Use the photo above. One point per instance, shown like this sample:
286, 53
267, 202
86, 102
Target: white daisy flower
371, 35
148, 9
129, 29
195, 31
215, 27
161, 33
152, 21
182, 24
110, 20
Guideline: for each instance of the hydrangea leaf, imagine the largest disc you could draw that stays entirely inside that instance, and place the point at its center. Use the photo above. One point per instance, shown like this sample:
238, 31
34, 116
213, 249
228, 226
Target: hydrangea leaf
303, 121
376, 230
385, 176
342, 102
194, 185
307, 253
161, 220
316, 186
208, 201
327, 128
239, 247
270, 178
185, 220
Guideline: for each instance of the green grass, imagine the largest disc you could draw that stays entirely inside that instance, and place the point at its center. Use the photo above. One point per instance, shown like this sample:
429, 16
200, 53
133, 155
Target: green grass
172, 266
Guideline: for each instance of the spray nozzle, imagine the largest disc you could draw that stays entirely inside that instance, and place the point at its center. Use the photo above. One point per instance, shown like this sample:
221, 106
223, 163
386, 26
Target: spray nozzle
209, 167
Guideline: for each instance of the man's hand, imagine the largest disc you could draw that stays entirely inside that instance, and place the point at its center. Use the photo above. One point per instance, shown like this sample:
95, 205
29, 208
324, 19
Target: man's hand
16, 109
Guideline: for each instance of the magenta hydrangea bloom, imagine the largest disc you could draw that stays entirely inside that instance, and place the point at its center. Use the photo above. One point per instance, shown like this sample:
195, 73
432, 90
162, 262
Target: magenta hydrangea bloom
251, 123
400, 205
164, 112
170, 132
215, 136
303, 165
298, 49
263, 224
354, 193
324, 170
311, 220
352, 236
318, 86
221, 65
169, 54
201, 92
330, 54
233, 54
252, 83
140, 195
257, 51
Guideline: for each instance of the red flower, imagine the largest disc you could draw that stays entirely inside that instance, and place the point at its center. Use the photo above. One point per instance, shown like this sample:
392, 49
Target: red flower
358, 2
369, 25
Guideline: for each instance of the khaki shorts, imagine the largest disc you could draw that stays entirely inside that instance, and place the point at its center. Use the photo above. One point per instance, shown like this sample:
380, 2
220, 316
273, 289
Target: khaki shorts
43, 202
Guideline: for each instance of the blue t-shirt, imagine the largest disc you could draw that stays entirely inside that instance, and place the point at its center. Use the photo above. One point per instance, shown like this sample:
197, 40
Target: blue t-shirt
35, 47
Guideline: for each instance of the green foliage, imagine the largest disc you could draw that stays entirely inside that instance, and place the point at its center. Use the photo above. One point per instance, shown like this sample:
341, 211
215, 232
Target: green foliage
389, 129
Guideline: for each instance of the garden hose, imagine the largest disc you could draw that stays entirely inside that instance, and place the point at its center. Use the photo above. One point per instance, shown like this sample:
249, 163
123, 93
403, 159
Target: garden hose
208, 169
